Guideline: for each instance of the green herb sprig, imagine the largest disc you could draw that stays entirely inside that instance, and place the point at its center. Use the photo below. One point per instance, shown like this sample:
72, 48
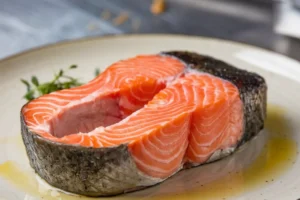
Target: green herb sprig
60, 81
97, 72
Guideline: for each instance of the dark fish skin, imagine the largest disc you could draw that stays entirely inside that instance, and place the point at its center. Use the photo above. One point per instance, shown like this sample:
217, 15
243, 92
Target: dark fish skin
112, 171
82, 170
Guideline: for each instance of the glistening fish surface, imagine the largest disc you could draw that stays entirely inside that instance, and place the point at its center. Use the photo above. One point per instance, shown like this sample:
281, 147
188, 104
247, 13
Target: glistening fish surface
142, 120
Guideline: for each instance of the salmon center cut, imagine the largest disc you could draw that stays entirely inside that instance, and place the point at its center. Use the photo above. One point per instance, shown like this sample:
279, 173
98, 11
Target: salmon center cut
166, 113
83, 118
103, 109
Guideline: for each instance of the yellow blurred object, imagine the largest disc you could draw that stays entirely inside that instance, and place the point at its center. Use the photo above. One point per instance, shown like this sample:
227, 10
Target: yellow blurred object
121, 19
158, 7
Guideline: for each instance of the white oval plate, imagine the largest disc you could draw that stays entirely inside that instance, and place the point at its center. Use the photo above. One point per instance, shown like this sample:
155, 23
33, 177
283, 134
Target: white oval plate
239, 176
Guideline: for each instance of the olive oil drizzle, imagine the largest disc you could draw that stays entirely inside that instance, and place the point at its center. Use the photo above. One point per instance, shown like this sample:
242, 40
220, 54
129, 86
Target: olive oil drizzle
219, 180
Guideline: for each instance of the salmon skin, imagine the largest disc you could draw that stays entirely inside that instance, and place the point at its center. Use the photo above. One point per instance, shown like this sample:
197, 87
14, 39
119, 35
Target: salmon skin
141, 121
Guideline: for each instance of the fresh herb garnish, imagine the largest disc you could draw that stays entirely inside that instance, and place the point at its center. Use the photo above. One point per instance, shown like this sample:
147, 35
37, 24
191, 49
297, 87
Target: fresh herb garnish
61, 81
97, 72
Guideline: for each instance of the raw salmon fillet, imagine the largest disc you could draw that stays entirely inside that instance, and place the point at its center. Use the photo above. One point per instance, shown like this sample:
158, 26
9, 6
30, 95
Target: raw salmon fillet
144, 118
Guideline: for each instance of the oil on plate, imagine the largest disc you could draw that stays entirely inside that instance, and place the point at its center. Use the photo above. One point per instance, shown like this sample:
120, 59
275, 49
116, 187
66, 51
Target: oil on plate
267, 167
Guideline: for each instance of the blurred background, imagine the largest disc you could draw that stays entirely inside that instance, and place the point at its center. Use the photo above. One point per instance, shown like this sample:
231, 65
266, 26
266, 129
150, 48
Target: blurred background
269, 24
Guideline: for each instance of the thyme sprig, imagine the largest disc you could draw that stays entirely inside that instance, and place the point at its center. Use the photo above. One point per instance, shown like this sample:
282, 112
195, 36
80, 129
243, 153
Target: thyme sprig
60, 81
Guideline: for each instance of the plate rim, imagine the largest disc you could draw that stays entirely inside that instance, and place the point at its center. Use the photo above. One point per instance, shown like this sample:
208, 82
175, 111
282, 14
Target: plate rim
143, 36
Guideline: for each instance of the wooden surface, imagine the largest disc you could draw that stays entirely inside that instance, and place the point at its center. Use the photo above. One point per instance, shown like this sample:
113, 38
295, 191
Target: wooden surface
26, 24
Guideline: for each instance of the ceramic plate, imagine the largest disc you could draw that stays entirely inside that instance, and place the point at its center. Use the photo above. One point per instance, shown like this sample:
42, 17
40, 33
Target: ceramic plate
267, 167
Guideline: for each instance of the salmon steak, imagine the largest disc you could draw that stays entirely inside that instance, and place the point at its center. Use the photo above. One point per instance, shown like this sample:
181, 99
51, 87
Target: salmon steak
141, 121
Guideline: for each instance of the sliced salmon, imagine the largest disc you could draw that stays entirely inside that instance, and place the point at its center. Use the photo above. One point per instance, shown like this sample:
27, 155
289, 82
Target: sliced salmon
194, 115
119, 91
162, 112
